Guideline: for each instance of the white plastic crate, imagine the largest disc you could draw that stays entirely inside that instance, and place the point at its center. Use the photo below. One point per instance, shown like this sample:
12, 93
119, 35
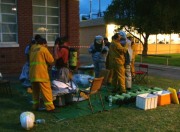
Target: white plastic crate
146, 101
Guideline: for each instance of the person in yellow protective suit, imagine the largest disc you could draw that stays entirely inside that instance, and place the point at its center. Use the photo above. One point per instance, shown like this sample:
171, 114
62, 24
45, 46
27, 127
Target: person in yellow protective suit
117, 61
40, 58
109, 66
133, 46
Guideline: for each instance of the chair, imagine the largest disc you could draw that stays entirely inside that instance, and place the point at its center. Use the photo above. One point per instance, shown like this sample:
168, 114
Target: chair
104, 73
94, 89
141, 75
5, 86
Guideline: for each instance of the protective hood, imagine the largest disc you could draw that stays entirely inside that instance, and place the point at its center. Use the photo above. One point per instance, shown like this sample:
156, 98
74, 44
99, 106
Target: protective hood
122, 34
99, 39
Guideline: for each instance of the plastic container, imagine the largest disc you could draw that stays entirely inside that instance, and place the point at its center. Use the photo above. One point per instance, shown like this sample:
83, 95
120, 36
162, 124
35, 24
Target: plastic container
54, 72
174, 97
1, 76
40, 121
110, 100
164, 97
146, 101
178, 95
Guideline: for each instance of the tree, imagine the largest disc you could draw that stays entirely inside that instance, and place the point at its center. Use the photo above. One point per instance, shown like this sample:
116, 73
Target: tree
147, 17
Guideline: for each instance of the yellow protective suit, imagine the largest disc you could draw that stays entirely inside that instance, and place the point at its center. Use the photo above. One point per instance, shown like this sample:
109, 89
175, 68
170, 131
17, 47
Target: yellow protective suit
40, 57
133, 59
110, 69
117, 61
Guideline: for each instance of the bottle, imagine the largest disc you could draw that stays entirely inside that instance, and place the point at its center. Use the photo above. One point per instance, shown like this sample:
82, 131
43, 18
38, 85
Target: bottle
110, 100
128, 78
1, 77
40, 121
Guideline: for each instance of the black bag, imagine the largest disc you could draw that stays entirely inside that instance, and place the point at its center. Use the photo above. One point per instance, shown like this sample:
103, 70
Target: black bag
60, 62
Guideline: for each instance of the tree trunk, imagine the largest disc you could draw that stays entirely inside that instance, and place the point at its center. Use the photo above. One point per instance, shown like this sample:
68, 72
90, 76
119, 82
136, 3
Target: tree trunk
145, 46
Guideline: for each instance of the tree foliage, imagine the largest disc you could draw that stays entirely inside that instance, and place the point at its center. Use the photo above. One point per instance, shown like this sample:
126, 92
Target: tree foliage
145, 16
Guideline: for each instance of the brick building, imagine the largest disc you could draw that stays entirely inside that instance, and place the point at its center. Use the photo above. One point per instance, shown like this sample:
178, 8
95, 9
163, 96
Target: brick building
22, 19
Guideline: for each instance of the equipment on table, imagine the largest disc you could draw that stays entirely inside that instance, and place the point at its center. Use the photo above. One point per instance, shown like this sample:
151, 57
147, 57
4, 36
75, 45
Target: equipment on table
82, 80
63, 92
87, 69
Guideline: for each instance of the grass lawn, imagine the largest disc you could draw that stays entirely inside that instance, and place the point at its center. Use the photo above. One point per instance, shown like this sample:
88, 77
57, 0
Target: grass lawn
173, 61
124, 118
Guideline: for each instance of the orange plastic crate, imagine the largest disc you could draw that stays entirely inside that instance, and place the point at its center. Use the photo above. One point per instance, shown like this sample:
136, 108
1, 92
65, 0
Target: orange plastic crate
164, 97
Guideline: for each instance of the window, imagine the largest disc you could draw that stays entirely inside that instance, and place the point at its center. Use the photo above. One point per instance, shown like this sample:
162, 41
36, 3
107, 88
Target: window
8, 22
46, 18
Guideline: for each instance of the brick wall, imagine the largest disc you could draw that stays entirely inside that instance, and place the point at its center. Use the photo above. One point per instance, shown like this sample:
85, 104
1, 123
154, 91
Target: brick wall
12, 59
70, 20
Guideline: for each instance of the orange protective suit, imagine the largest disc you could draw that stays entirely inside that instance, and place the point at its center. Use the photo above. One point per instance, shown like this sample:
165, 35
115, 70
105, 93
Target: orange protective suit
117, 61
40, 57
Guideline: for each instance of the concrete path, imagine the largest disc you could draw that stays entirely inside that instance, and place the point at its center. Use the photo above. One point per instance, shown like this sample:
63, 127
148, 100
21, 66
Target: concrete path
171, 72
156, 70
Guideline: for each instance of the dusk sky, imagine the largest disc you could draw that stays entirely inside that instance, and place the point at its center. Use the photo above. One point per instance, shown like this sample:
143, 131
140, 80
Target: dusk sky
85, 6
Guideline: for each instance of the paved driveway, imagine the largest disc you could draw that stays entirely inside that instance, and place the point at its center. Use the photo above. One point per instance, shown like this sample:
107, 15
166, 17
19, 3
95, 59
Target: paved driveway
157, 70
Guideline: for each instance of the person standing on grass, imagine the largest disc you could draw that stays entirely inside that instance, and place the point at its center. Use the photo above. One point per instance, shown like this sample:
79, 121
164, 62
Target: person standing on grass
109, 66
24, 77
99, 53
128, 58
107, 43
117, 62
133, 46
61, 55
40, 58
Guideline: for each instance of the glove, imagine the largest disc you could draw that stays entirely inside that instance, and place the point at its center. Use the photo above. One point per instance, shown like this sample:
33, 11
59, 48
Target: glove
93, 51
104, 51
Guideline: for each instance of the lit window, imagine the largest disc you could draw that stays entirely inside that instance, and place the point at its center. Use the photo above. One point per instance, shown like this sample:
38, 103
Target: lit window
46, 18
8, 22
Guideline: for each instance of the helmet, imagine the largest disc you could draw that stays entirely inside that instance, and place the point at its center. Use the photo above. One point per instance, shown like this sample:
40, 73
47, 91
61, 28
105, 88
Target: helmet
27, 120
122, 34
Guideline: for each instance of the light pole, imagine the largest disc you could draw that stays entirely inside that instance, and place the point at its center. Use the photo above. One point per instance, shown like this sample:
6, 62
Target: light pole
99, 13
90, 9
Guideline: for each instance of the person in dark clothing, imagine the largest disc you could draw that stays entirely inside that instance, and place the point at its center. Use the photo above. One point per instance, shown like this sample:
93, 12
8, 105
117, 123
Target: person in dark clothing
106, 42
61, 55
99, 53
